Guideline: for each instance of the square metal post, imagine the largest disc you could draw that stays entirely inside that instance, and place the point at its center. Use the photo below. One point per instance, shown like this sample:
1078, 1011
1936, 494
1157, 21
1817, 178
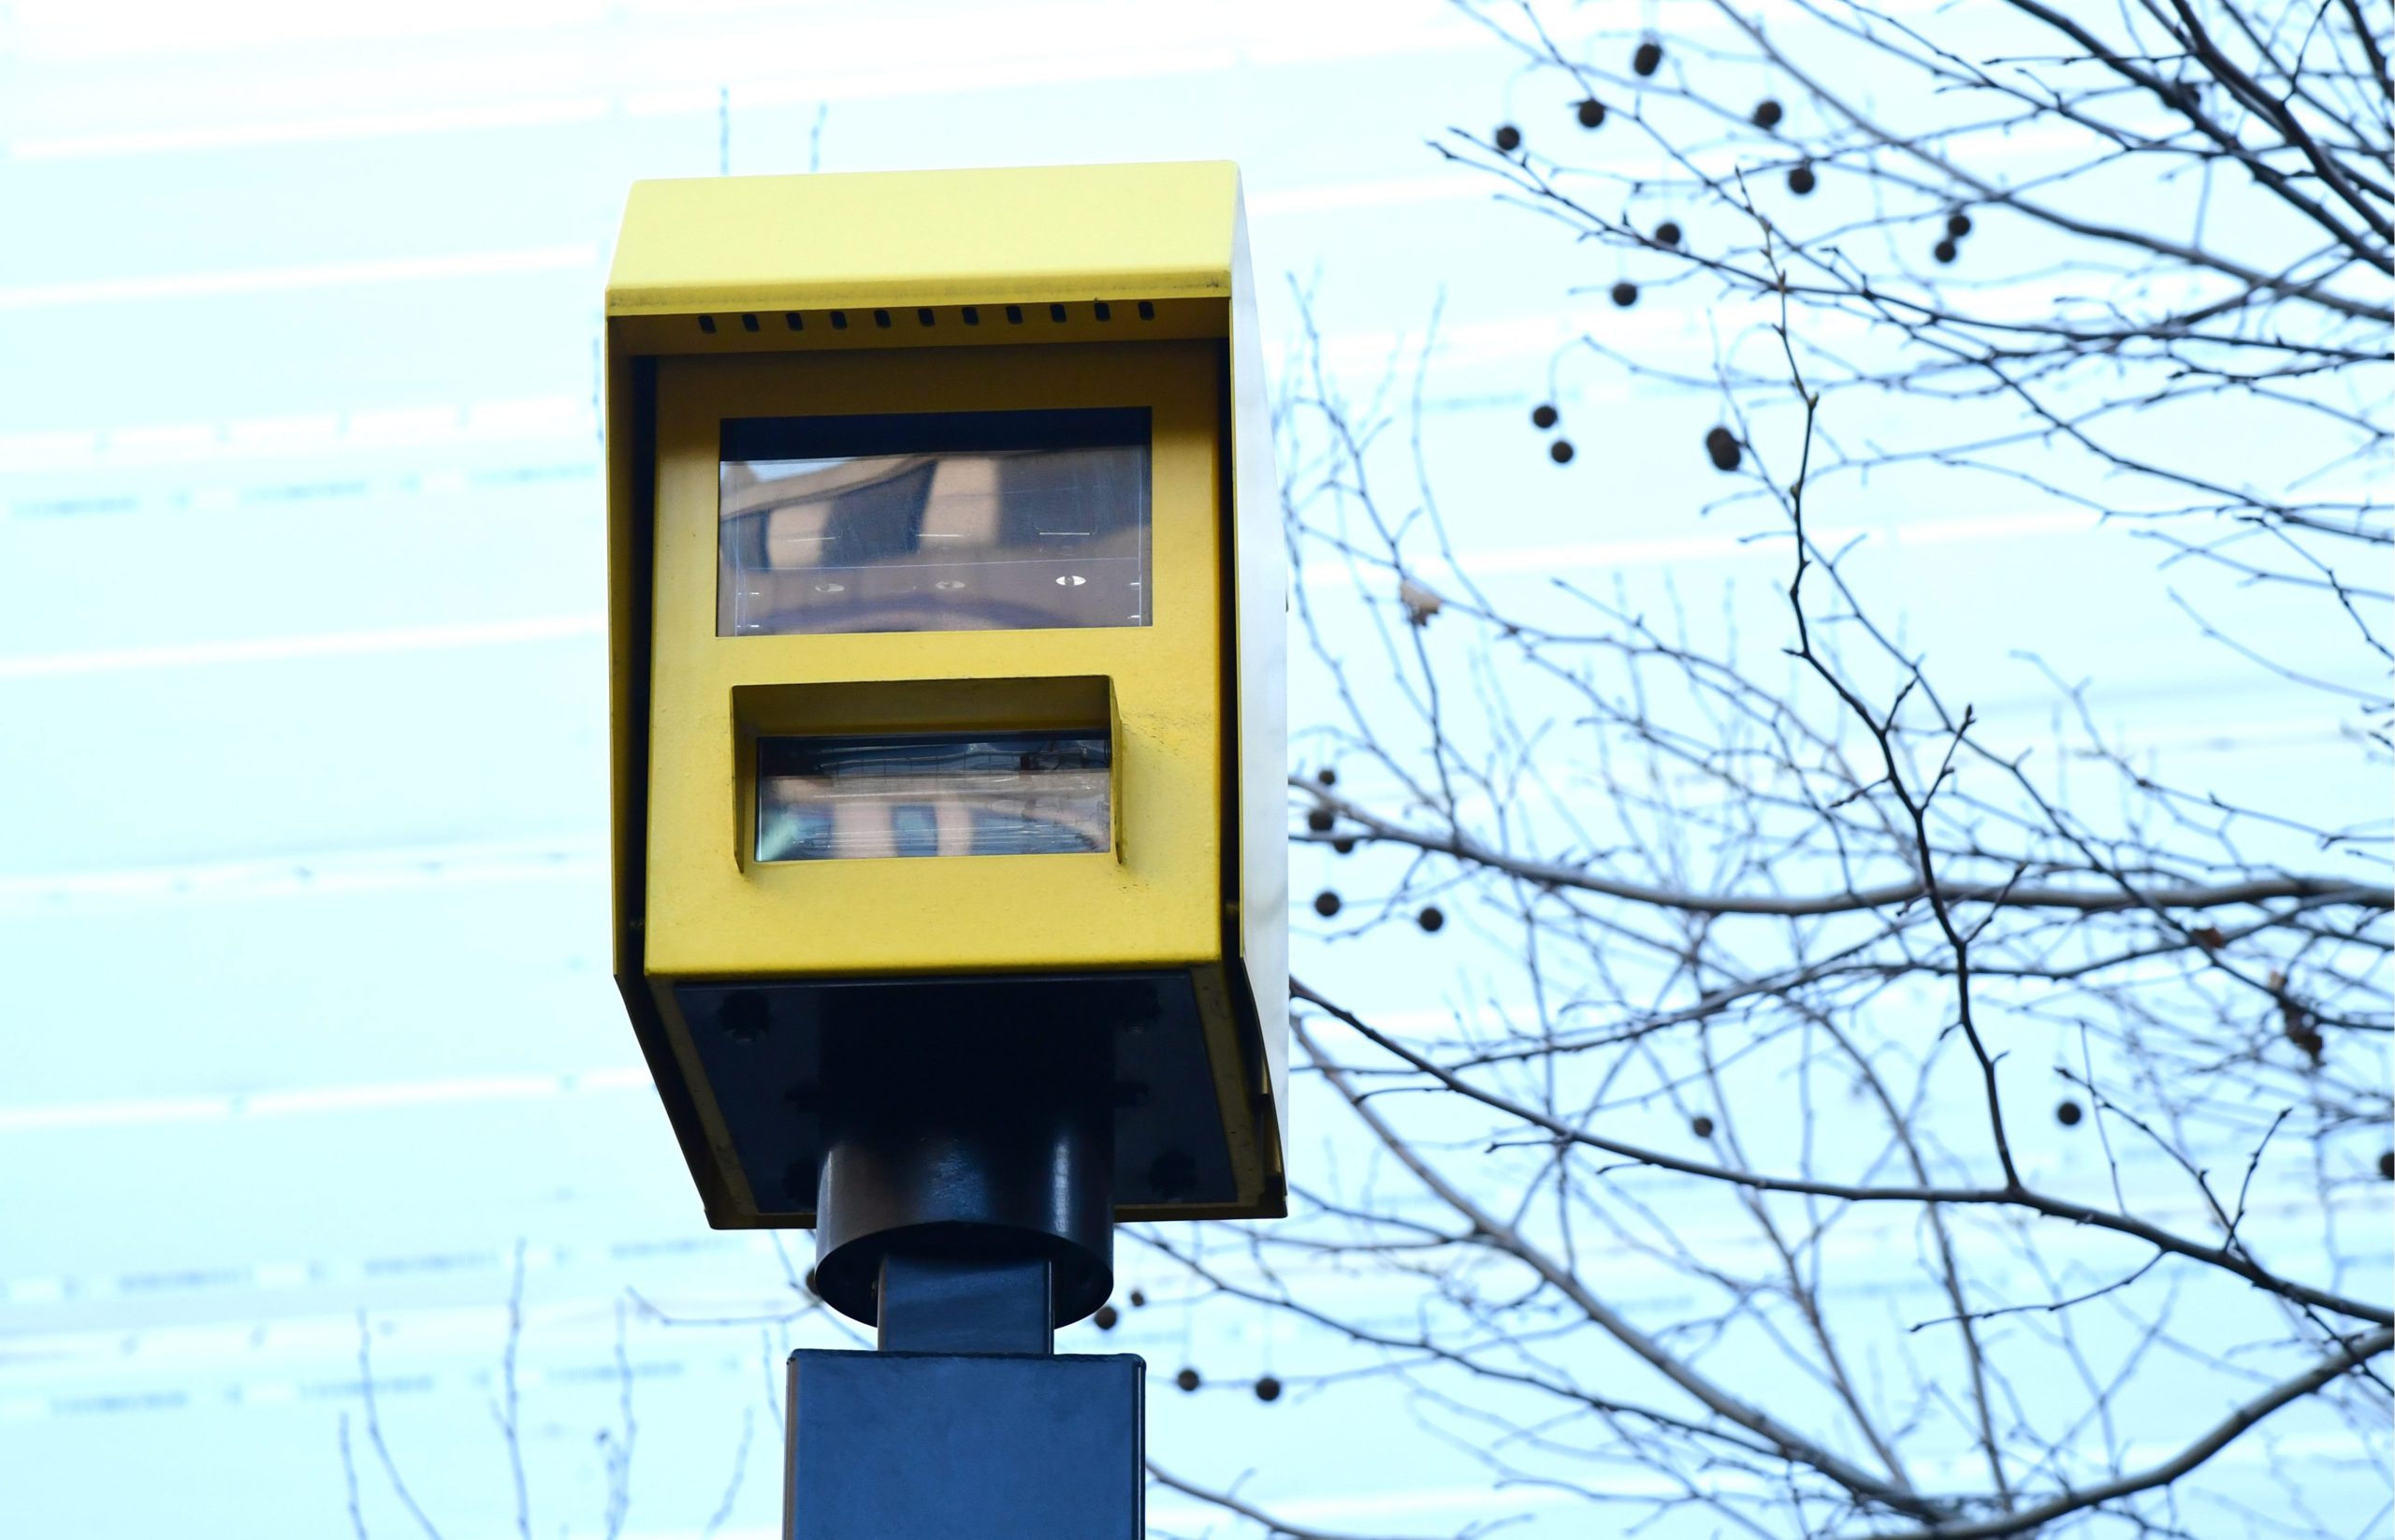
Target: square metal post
995, 1447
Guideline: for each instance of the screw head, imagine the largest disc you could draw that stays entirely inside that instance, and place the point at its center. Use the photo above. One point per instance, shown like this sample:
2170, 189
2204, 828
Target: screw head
745, 1015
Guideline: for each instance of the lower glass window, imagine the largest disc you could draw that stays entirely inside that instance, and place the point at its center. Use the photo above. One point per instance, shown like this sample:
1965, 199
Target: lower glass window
933, 794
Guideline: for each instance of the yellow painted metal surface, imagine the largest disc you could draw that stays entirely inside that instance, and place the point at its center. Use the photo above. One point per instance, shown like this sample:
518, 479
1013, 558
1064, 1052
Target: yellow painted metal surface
1022, 235
930, 292
715, 333
1153, 902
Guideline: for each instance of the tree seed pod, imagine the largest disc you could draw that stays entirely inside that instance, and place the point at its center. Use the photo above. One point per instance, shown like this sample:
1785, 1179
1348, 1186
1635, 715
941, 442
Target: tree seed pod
1187, 1379
1701, 1126
1649, 58
1420, 599
1591, 113
1560, 451
1625, 293
1267, 1389
1320, 821
1327, 776
1326, 903
1767, 113
1508, 139
1723, 447
1543, 416
1431, 918
1343, 847
1801, 180
1105, 1318
2069, 1114
1667, 233
1958, 225
1944, 251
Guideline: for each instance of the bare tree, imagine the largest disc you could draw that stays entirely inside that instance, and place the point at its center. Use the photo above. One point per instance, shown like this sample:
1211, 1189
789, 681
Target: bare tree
614, 1444
1867, 1124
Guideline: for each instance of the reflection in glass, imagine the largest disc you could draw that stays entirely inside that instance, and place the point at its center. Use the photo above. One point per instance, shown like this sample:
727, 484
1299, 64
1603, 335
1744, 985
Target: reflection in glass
935, 521
933, 793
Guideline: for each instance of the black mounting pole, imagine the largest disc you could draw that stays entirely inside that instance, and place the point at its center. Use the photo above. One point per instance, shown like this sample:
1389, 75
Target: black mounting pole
988, 1141
965, 1209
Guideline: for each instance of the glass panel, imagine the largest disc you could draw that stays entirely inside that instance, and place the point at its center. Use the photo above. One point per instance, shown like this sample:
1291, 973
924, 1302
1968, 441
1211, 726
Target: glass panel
934, 521
933, 793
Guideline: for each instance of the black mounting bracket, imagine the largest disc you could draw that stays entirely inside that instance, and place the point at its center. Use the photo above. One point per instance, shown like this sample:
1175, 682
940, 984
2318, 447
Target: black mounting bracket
965, 1206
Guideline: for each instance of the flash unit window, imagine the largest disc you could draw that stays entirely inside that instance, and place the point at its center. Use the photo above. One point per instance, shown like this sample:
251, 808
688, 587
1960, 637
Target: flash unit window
933, 793
934, 521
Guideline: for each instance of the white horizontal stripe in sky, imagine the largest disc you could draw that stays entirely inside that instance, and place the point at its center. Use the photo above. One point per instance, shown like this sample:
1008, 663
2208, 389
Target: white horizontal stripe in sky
267, 650
1013, 46
105, 291
236, 135
331, 1098
317, 874
1456, 186
1319, 575
312, 874
289, 1101
148, 445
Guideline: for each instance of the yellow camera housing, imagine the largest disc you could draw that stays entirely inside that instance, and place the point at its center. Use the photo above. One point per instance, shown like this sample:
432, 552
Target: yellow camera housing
947, 614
